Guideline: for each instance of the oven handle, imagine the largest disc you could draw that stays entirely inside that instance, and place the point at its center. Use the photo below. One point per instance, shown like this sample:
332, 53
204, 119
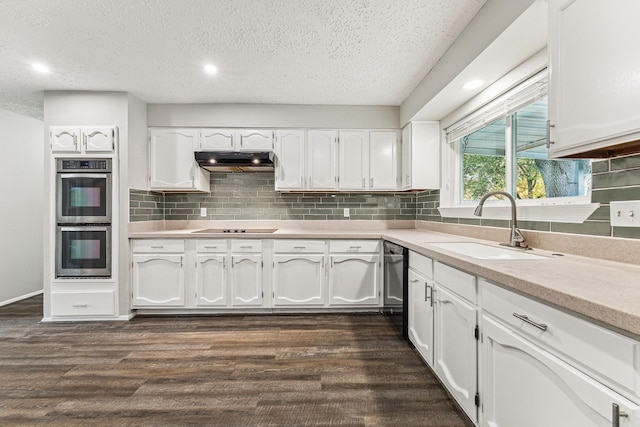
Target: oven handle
83, 175
84, 228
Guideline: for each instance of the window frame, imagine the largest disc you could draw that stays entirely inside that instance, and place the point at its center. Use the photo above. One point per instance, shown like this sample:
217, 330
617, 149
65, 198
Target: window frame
574, 209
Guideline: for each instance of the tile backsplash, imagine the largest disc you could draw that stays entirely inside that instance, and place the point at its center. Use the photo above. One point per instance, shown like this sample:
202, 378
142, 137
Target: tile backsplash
251, 196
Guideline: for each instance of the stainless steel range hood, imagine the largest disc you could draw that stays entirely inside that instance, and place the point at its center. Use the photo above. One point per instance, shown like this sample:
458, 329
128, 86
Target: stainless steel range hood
235, 161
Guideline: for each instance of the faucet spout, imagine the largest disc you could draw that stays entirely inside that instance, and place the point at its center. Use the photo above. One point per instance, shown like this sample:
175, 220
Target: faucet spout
516, 239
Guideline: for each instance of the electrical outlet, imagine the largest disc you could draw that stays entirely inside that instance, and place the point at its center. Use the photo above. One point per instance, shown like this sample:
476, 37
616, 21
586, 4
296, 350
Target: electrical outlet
346, 212
203, 211
625, 214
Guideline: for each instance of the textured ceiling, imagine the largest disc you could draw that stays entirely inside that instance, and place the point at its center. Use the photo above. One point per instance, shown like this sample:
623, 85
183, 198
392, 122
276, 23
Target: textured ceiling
342, 52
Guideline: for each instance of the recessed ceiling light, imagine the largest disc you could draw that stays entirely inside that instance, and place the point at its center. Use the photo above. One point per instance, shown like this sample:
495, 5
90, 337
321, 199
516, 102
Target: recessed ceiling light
41, 68
210, 69
473, 84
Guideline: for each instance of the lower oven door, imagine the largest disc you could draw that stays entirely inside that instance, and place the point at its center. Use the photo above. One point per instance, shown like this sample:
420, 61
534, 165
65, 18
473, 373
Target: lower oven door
83, 251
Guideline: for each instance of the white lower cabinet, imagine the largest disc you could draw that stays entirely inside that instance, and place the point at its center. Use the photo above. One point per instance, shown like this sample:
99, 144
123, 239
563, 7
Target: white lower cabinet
298, 279
525, 386
211, 280
246, 280
354, 275
86, 303
158, 280
455, 347
421, 315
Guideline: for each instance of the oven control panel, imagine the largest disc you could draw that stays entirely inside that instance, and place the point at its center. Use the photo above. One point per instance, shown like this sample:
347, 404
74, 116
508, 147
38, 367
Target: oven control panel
84, 165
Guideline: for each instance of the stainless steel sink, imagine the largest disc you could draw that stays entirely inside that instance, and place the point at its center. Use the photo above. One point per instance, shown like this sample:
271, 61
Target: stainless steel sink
235, 230
481, 251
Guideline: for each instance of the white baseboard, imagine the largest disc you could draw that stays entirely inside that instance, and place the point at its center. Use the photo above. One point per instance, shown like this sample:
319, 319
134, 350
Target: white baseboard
21, 297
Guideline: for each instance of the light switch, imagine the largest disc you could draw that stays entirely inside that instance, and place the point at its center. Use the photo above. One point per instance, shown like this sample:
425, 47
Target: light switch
625, 214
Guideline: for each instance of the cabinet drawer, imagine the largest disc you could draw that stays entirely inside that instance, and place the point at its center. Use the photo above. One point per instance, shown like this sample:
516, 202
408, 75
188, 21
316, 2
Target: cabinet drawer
246, 246
90, 303
211, 246
421, 264
463, 284
302, 246
610, 356
355, 245
158, 246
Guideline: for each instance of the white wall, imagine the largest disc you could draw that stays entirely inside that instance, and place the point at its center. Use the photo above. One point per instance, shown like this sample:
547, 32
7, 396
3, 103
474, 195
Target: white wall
21, 206
274, 116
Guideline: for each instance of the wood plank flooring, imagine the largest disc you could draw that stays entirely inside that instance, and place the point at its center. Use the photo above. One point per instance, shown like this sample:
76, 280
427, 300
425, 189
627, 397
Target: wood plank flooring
277, 370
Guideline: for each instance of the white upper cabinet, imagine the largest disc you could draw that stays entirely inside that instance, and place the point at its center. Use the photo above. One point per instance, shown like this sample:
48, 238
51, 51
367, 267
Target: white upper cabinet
289, 161
83, 139
321, 159
220, 139
384, 160
353, 163
421, 156
172, 165
217, 139
593, 77
255, 140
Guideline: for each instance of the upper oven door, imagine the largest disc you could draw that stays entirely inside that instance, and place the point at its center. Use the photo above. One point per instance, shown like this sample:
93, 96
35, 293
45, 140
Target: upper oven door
83, 198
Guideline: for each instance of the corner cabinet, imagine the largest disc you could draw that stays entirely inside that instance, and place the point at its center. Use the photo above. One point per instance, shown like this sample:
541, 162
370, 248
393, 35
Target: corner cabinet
158, 273
593, 77
172, 165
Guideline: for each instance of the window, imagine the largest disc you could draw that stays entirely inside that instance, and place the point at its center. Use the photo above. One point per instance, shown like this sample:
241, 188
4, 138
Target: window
503, 147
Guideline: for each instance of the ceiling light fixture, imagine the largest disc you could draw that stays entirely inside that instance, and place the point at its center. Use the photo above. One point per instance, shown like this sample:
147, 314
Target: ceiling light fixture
41, 68
472, 84
210, 69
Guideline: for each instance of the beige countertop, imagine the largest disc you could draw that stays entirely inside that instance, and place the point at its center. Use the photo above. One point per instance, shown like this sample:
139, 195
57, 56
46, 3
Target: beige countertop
605, 291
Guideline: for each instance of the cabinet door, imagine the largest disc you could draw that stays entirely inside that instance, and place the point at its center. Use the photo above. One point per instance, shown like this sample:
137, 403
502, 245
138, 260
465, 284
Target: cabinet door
421, 315
593, 76
406, 157
298, 280
353, 160
246, 280
172, 164
321, 161
216, 139
290, 150
525, 386
64, 139
355, 280
384, 160
98, 139
393, 276
211, 280
455, 347
158, 281
255, 140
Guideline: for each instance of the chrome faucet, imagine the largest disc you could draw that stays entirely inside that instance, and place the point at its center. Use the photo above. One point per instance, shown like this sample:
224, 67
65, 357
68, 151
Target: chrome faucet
517, 239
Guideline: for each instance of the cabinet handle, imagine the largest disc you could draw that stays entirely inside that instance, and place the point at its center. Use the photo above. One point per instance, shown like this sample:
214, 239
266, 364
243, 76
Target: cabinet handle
549, 126
181, 262
428, 293
371, 183
85, 141
299, 247
526, 319
354, 248
616, 414
210, 247
241, 140
363, 182
157, 247
85, 306
246, 247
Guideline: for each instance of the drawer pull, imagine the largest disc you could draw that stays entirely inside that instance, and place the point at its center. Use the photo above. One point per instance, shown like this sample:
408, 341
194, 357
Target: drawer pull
157, 247
354, 248
246, 247
80, 305
616, 413
299, 247
210, 247
526, 319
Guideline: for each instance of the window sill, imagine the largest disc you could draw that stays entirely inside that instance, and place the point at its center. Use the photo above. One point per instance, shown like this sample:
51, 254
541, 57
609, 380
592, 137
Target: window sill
567, 213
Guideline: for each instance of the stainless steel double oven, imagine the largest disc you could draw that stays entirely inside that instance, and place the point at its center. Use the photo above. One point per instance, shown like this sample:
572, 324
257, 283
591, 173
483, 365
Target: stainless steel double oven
83, 217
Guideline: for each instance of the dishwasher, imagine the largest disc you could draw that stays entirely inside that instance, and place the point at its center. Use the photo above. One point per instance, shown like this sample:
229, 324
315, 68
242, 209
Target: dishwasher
395, 285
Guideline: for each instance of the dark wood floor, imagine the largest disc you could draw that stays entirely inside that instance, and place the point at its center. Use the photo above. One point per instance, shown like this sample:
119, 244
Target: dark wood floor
311, 370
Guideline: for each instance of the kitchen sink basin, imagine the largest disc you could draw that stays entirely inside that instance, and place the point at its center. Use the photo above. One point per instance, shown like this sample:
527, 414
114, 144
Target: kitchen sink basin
235, 230
481, 251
